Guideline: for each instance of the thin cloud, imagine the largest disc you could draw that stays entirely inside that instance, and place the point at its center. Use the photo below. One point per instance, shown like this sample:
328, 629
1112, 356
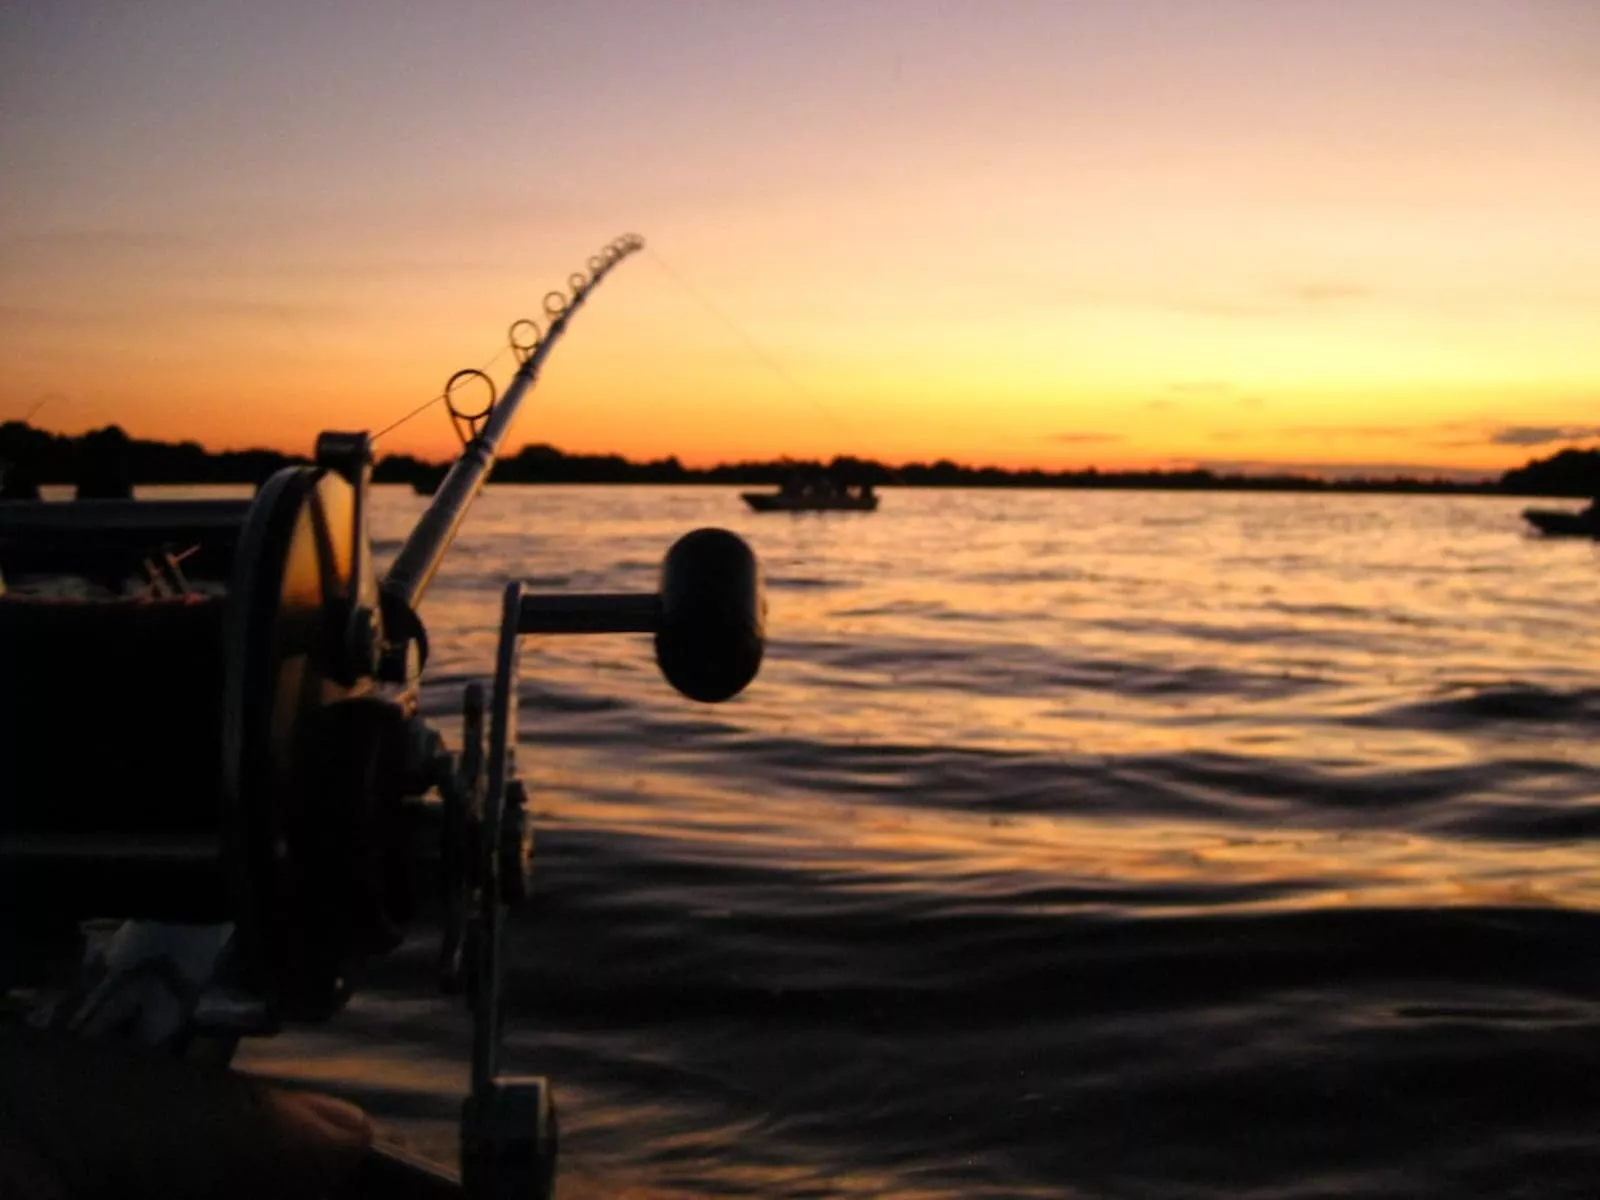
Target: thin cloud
99, 241
1542, 435
1448, 435
1437, 433
1079, 439
1204, 306
33, 314
1326, 292
128, 313
1332, 470
1294, 298
1201, 387
1356, 431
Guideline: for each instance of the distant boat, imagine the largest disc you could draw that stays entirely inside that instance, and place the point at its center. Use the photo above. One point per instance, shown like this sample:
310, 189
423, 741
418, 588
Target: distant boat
1557, 523
778, 502
864, 500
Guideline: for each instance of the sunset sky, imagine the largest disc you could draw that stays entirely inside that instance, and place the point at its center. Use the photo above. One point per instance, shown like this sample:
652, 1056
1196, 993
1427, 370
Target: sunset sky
1350, 233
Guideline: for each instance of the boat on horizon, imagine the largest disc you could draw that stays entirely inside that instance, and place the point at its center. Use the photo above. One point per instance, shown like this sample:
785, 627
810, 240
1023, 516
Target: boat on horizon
778, 502
821, 494
1553, 522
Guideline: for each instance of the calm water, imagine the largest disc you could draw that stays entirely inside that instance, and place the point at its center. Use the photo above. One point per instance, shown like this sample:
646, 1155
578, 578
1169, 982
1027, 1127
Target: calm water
1069, 844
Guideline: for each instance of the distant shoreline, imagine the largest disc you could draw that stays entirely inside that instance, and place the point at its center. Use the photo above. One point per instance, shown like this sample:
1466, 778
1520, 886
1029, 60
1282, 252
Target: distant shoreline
44, 458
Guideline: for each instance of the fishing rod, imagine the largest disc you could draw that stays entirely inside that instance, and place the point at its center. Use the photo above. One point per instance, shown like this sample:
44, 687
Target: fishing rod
419, 558
243, 664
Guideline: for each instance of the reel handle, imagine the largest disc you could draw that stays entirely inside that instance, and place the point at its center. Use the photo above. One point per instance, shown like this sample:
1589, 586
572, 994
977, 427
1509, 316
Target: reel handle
708, 616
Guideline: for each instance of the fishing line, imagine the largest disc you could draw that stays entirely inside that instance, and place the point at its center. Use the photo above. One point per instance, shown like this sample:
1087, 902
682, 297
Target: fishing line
444, 395
28, 416
415, 412
840, 425
750, 343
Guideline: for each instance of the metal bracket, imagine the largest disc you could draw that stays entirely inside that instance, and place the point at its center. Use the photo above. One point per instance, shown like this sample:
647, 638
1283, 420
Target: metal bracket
462, 793
508, 1124
405, 640
708, 620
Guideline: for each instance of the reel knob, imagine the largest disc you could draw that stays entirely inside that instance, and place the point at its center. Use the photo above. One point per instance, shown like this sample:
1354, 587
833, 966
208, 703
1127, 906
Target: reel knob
713, 615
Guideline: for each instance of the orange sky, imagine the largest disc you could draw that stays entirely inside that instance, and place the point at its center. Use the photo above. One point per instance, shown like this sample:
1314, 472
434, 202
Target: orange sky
1025, 233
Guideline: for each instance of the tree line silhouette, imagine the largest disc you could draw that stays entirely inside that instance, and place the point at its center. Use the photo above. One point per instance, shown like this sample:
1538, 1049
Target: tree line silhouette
35, 456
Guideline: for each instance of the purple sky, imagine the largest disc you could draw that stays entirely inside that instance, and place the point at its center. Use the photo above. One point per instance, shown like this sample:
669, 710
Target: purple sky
999, 223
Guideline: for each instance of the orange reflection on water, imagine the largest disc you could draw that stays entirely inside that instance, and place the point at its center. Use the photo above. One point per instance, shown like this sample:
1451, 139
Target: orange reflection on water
1061, 864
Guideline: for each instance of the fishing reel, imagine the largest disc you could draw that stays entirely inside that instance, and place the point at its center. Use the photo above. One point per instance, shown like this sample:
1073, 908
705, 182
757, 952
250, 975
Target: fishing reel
192, 734
210, 732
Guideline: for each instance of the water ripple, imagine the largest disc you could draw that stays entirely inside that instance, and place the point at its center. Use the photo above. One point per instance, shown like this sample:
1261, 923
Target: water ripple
1070, 844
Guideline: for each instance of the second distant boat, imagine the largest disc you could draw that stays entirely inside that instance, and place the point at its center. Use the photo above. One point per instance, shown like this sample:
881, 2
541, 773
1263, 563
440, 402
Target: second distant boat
1556, 523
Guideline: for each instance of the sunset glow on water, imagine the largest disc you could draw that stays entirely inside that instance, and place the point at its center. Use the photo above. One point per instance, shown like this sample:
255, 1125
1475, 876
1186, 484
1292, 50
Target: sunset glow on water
1053, 819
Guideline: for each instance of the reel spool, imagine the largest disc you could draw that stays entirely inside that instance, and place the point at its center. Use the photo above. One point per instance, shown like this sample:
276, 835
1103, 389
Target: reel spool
209, 752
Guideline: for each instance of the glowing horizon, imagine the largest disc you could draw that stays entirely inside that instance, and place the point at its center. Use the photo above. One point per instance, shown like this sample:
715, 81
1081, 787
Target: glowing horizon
1119, 235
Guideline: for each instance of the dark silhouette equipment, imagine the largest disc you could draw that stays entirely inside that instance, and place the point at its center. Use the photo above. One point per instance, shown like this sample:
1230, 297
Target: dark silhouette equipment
210, 720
